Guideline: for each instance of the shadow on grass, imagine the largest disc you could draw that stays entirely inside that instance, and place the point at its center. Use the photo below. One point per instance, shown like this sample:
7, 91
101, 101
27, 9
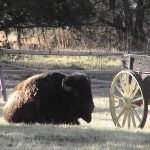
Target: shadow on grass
75, 137
101, 110
100, 92
85, 137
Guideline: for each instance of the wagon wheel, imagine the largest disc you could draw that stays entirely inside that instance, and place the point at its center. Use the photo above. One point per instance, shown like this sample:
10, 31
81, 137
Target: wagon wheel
128, 104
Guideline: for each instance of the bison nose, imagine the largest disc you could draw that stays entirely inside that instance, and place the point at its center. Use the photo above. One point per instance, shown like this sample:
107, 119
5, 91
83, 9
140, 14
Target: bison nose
87, 118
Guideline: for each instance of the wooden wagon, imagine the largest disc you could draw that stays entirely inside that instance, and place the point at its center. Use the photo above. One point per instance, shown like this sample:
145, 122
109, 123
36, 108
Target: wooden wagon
130, 92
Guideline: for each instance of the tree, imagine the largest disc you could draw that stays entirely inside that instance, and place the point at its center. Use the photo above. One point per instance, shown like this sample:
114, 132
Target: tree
130, 19
18, 15
43, 13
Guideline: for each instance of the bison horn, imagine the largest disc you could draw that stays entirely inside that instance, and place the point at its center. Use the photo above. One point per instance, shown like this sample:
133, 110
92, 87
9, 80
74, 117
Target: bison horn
66, 88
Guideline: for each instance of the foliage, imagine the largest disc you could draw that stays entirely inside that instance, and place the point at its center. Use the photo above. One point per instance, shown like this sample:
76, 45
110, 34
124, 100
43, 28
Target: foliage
127, 21
129, 18
43, 13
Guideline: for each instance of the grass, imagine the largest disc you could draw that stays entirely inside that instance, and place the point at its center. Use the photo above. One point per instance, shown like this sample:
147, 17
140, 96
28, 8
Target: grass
68, 137
48, 62
99, 134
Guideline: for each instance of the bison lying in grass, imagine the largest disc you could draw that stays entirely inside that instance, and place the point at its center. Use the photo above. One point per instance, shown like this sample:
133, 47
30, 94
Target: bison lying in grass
51, 98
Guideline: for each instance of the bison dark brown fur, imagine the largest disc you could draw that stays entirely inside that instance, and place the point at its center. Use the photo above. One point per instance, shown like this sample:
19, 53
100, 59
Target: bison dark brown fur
51, 98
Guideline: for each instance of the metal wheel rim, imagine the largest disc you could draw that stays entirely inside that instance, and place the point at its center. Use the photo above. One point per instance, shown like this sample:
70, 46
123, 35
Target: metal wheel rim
127, 104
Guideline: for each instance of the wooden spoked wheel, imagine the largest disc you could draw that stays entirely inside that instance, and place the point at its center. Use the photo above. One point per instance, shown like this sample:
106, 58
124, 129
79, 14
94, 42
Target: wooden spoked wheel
128, 105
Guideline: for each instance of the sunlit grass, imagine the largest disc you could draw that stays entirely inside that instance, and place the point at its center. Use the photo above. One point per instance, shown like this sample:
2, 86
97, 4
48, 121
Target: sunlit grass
99, 134
85, 62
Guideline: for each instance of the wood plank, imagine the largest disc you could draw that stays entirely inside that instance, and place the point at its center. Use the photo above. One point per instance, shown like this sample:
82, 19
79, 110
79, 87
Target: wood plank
97, 81
61, 70
141, 63
100, 86
21, 69
2, 86
56, 52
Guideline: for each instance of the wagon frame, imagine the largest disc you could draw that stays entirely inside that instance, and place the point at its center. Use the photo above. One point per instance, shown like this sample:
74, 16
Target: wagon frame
129, 92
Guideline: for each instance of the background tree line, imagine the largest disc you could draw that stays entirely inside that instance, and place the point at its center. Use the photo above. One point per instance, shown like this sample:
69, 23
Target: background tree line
121, 24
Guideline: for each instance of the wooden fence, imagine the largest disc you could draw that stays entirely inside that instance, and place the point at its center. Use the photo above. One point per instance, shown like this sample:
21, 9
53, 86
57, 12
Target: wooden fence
20, 69
55, 52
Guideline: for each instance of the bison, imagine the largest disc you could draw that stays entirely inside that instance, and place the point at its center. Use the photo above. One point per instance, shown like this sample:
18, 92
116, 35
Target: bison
51, 98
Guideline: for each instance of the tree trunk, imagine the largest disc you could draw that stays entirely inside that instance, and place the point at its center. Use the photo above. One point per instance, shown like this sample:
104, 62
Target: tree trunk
19, 38
139, 36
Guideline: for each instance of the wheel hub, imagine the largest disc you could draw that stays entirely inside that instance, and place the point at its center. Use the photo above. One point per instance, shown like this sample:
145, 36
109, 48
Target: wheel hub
127, 106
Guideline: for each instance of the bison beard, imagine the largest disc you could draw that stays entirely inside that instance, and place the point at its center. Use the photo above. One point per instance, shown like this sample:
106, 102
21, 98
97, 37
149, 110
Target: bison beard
51, 98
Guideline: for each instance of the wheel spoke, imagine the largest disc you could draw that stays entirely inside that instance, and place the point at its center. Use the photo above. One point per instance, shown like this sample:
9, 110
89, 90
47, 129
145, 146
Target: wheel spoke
120, 78
137, 99
121, 113
138, 102
129, 119
132, 86
122, 82
138, 107
133, 119
127, 84
124, 119
119, 90
134, 92
136, 114
119, 98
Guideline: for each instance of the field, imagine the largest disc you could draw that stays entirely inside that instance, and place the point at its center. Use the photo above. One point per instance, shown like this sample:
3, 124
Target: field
99, 134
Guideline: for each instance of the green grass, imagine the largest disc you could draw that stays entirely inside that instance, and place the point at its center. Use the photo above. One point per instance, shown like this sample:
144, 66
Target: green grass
99, 134
86, 62
69, 137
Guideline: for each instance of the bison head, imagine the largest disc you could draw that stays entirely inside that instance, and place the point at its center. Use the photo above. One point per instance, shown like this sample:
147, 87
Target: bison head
78, 91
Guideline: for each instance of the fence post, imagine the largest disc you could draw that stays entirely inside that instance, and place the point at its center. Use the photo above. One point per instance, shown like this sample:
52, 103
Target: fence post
2, 85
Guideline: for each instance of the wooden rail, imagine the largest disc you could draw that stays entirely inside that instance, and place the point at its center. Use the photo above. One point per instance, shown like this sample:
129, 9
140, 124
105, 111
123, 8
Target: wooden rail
55, 52
22, 69
60, 70
2, 86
